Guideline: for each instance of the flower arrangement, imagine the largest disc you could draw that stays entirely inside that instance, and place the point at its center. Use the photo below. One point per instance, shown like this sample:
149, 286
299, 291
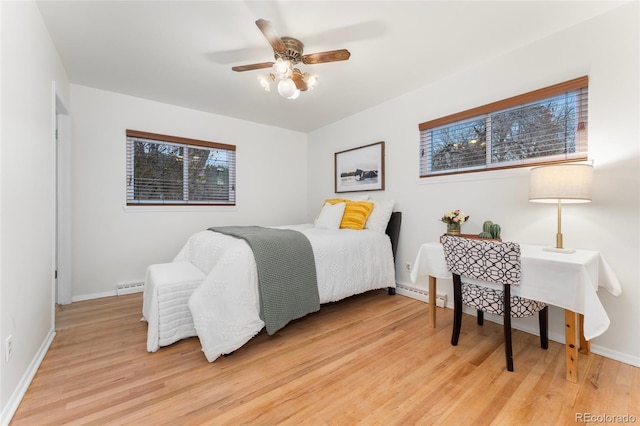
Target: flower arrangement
454, 217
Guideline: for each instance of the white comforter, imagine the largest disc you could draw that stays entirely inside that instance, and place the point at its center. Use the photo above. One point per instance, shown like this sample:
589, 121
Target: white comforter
225, 307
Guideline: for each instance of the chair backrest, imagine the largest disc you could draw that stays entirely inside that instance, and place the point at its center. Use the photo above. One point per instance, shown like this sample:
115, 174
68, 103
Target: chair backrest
483, 260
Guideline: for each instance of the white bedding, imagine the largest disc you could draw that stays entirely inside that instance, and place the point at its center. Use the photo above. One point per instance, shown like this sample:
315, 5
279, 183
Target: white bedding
225, 307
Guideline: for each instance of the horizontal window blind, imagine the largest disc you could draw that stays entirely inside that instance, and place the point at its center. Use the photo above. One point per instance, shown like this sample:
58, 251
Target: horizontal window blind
548, 125
168, 170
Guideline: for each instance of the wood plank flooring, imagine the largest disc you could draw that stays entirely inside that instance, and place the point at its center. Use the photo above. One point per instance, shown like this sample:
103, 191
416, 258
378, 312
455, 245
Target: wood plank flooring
370, 360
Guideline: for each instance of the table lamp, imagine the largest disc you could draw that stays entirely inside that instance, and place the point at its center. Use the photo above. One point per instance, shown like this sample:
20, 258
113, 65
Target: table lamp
561, 183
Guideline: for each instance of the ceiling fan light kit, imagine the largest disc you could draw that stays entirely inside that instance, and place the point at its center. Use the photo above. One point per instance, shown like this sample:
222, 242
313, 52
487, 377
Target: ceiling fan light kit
290, 80
288, 53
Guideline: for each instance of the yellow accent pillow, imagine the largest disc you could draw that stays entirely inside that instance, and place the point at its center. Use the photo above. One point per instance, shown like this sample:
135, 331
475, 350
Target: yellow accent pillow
355, 214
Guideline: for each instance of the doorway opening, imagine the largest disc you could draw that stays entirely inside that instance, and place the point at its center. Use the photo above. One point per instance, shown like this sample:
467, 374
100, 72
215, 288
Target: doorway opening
62, 249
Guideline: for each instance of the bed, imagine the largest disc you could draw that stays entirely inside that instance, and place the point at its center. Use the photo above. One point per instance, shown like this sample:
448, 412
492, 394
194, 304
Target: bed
223, 308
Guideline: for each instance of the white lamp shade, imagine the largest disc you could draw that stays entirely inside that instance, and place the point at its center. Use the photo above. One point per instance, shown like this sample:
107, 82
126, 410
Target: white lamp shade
569, 183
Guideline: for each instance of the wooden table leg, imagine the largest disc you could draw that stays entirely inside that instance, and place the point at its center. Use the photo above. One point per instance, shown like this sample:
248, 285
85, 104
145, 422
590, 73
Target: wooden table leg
571, 344
432, 301
585, 346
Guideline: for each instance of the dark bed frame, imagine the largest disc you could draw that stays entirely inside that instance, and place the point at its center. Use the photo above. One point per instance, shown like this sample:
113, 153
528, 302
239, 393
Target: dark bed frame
393, 231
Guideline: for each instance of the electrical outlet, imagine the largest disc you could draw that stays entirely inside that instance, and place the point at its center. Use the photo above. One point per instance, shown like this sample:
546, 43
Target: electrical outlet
407, 267
8, 348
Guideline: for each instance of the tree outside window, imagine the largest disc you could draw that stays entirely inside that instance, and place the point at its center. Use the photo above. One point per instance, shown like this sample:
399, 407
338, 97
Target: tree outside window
170, 170
548, 125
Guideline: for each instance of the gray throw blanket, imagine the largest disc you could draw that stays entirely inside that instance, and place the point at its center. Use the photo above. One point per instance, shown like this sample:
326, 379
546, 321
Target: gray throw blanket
286, 272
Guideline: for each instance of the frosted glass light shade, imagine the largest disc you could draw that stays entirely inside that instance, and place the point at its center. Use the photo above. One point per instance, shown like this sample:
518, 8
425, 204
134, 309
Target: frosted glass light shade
569, 183
295, 95
282, 68
287, 88
265, 82
311, 80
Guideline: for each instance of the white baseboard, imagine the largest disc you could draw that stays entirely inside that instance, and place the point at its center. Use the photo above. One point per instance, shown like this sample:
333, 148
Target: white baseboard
616, 355
93, 296
123, 288
596, 349
15, 399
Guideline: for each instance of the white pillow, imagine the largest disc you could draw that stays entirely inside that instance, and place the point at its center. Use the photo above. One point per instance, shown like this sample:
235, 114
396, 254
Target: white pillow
379, 217
356, 198
330, 216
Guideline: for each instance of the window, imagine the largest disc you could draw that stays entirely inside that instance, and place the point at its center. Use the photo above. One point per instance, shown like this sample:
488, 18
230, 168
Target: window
169, 170
545, 126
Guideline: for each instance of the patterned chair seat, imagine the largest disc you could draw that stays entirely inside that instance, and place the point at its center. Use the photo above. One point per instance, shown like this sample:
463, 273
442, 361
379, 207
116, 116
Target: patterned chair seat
489, 300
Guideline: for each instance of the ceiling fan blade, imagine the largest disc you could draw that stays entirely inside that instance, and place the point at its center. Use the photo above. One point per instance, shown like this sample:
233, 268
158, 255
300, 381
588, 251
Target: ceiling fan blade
298, 80
330, 56
272, 35
350, 33
250, 67
234, 56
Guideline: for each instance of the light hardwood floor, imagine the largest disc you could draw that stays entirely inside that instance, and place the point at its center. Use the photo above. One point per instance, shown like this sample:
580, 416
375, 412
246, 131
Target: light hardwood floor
369, 359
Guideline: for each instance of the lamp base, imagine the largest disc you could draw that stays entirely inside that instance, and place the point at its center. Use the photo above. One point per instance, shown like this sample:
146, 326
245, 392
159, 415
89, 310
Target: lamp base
560, 250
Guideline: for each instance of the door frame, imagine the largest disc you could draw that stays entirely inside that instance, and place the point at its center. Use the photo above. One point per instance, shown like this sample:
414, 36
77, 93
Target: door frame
62, 249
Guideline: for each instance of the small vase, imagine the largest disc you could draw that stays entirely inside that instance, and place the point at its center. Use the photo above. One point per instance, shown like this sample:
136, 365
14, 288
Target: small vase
453, 229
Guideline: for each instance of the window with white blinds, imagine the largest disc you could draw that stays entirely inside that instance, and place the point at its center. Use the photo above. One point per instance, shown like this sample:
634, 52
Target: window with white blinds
170, 170
544, 126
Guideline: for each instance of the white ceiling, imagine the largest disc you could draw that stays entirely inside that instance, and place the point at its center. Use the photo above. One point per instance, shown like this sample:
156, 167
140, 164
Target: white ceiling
181, 52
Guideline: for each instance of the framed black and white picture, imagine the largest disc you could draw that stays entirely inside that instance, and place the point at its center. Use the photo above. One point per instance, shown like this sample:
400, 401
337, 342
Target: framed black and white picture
360, 169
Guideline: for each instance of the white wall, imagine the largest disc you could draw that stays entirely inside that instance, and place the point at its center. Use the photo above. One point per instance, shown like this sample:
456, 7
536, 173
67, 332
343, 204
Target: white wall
112, 244
606, 49
30, 65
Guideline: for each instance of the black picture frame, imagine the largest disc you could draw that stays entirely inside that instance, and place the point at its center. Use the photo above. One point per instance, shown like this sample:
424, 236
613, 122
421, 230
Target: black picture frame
360, 169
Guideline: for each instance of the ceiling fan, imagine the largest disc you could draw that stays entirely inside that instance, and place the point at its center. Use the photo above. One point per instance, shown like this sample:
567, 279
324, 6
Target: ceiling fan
288, 52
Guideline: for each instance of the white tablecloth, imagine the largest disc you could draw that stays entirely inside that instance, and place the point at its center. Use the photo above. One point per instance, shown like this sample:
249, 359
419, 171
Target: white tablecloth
569, 281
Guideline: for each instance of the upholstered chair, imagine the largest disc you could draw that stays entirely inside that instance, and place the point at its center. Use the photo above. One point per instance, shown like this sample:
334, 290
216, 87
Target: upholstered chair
483, 273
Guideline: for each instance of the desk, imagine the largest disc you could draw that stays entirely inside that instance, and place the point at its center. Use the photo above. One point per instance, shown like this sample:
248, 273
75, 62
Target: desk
569, 281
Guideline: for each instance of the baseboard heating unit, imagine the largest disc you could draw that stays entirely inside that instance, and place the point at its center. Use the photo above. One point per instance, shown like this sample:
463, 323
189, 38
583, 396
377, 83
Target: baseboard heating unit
416, 293
129, 288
